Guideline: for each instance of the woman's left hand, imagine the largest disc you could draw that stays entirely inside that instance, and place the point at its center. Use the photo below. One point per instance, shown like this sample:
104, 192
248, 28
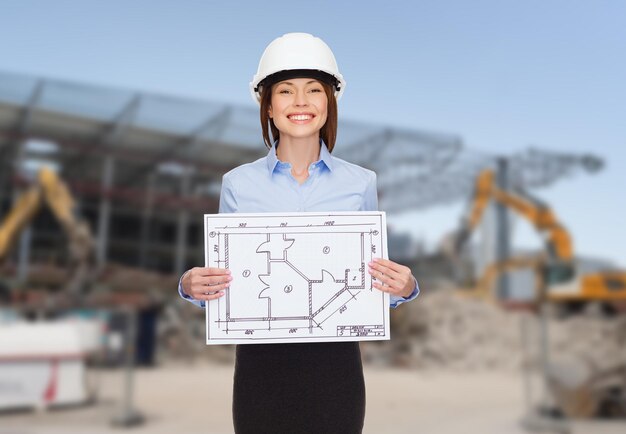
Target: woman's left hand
393, 278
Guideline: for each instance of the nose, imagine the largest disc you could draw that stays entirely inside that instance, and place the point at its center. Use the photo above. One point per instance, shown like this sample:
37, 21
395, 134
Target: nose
301, 99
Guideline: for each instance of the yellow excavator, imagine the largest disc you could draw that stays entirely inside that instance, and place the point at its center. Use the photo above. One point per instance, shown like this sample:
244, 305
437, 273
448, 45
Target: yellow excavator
577, 390
51, 189
556, 277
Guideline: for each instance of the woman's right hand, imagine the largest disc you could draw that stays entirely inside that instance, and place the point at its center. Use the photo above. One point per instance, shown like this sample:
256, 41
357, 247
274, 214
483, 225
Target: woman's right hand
205, 283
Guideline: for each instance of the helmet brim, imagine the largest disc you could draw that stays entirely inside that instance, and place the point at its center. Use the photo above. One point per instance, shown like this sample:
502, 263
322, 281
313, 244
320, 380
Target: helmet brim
279, 76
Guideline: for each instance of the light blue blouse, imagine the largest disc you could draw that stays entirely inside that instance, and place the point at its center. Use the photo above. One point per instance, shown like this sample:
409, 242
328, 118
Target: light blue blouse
266, 185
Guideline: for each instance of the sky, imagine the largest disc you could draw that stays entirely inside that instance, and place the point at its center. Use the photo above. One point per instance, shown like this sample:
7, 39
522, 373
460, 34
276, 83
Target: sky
502, 74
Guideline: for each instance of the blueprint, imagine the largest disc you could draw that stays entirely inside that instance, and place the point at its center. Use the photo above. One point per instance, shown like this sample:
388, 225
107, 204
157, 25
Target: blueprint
297, 277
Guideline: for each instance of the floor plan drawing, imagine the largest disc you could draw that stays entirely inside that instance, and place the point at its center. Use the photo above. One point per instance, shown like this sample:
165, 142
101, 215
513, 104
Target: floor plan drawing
297, 277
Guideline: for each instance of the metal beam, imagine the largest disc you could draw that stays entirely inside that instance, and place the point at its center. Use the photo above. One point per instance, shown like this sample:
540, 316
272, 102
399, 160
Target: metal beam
122, 121
361, 150
8, 151
23, 261
422, 197
23, 124
88, 149
180, 258
23, 258
538, 168
111, 133
503, 234
433, 172
146, 220
401, 157
104, 213
135, 196
216, 122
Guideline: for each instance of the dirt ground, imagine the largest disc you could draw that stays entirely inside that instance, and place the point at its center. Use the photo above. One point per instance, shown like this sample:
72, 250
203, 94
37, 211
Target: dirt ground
196, 398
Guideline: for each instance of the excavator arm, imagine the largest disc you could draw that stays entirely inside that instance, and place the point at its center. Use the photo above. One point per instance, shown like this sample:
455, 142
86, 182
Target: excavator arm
18, 217
60, 201
555, 268
558, 264
559, 243
58, 198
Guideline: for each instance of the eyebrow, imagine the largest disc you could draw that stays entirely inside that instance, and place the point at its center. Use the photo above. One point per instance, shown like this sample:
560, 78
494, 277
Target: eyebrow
290, 83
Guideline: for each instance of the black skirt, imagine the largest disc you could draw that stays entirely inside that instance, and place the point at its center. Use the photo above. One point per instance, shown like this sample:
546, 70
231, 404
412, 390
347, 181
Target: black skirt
299, 389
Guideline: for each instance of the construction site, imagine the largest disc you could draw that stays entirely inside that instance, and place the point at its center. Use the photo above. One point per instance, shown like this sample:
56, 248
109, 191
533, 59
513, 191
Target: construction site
102, 192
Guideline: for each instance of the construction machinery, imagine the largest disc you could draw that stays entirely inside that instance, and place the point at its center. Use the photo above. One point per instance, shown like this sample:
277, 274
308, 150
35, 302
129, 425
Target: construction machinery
49, 188
556, 277
575, 389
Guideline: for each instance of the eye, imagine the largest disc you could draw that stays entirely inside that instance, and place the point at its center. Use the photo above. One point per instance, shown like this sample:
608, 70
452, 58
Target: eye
284, 91
316, 89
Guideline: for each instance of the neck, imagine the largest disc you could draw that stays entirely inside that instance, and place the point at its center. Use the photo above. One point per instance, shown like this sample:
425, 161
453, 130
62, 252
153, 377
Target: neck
299, 152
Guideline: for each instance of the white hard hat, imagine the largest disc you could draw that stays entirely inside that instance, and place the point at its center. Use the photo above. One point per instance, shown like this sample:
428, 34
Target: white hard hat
297, 55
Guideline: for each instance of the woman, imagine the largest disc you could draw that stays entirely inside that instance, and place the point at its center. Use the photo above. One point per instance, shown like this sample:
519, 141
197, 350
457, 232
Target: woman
312, 387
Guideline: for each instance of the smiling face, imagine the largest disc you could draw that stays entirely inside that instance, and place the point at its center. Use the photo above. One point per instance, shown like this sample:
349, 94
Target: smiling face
299, 107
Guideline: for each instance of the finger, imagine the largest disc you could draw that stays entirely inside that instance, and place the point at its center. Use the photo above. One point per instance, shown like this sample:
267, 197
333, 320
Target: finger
380, 272
210, 280
381, 287
207, 289
208, 297
387, 280
390, 264
395, 285
385, 288
209, 271
376, 274
384, 269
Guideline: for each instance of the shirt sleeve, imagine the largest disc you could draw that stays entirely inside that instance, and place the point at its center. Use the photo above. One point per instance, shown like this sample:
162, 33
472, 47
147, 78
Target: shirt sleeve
228, 200
228, 204
199, 303
370, 197
395, 301
370, 203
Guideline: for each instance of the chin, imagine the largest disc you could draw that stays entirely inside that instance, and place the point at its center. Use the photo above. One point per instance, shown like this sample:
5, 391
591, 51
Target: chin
300, 133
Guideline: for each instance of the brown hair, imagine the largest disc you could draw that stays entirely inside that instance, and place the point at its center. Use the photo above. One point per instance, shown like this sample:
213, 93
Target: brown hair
328, 132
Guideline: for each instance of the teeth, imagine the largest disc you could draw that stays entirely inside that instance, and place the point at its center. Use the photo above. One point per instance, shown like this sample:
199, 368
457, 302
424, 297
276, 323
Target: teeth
300, 117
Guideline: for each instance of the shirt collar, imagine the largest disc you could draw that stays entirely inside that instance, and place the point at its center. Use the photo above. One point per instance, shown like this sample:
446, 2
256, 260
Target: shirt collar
273, 161
325, 156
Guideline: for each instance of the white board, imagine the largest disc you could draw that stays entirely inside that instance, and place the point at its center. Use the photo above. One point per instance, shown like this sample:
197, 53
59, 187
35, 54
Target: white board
297, 277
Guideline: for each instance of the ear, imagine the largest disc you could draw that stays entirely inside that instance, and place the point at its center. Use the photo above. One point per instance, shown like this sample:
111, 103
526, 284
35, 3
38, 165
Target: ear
269, 112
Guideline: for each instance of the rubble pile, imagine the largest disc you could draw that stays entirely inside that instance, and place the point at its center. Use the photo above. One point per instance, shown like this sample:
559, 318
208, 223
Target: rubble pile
444, 330
598, 340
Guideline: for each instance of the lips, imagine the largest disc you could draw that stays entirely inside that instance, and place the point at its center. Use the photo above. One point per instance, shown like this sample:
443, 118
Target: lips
299, 117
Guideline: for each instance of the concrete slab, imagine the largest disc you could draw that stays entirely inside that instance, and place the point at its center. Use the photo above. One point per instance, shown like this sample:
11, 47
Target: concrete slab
196, 398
